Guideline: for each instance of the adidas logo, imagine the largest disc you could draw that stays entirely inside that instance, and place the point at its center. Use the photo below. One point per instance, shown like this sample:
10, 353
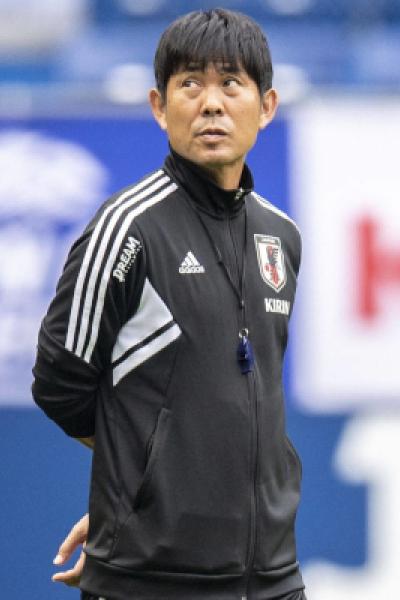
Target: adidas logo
190, 264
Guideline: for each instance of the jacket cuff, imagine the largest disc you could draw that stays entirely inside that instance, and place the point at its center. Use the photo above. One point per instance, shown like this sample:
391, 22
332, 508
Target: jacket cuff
65, 387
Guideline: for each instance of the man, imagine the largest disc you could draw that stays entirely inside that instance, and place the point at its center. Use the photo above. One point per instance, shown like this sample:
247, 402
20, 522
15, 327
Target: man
163, 346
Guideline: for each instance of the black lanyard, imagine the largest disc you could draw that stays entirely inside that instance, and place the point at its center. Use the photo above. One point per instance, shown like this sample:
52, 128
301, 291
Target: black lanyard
244, 351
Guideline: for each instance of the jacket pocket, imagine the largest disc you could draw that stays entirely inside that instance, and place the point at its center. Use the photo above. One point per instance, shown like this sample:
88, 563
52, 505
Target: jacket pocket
277, 507
295, 457
155, 444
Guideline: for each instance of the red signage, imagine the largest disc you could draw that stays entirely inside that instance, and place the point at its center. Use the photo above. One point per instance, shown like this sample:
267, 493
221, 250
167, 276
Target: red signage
379, 267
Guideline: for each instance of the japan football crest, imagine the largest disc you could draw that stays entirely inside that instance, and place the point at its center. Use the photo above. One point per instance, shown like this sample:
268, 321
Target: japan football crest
271, 260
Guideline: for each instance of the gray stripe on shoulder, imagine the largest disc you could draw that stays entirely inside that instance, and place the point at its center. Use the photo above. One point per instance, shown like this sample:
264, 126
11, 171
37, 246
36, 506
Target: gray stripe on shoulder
268, 206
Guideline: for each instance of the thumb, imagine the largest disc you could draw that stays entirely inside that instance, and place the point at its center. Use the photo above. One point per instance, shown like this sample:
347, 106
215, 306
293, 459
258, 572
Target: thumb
76, 537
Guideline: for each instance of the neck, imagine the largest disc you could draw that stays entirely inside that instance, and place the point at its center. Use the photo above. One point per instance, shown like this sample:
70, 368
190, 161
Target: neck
205, 190
226, 177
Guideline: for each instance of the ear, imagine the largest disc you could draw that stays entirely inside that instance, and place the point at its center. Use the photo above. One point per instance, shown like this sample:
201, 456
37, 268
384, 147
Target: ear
158, 107
269, 104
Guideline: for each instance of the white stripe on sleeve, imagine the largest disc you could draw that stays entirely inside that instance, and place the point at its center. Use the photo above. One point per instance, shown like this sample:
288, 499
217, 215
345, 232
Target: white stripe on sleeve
89, 253
145, 352
111, 259
151, 315
95, 273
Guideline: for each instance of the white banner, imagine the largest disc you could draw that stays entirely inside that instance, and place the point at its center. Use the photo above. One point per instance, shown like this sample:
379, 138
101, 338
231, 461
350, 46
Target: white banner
346, 194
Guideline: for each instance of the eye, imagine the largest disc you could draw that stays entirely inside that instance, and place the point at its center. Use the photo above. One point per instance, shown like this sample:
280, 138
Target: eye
190, 83
231, 82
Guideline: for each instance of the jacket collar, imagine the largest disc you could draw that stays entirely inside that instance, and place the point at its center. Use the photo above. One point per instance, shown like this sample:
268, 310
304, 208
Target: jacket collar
206, 195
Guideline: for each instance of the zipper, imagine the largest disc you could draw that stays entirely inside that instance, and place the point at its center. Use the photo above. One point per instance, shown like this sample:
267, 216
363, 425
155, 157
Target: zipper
252, 396
235, 253
254, 478
248, 371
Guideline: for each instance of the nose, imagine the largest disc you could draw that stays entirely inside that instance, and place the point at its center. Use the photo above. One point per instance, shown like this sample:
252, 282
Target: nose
212, 102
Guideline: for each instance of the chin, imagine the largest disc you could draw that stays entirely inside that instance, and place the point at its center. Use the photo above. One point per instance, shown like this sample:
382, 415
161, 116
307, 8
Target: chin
214, 158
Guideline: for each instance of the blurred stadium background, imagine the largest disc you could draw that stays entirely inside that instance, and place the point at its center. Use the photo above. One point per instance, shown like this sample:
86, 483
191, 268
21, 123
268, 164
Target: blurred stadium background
74, 127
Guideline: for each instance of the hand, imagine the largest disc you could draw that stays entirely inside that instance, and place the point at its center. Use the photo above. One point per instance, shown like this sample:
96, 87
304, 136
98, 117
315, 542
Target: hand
75, 538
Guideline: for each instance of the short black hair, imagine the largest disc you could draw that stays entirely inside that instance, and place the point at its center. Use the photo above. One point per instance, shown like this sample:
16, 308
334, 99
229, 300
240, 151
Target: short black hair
213, 36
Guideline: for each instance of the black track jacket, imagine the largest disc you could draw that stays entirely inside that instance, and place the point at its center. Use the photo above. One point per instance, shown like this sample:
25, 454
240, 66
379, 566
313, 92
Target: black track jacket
195, 484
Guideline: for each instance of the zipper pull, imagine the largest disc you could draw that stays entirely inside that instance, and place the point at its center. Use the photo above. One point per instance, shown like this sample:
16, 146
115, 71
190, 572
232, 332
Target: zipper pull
244, 352
239, 194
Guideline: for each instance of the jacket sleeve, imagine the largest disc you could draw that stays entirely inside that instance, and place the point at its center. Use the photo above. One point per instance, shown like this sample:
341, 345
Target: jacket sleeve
99, 290
299, 250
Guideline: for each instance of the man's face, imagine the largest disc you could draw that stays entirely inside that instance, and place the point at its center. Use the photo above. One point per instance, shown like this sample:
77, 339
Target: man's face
212, 117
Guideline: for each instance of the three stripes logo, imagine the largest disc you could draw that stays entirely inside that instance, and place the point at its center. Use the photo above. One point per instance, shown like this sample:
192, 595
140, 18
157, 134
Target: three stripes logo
190, 264
104, 246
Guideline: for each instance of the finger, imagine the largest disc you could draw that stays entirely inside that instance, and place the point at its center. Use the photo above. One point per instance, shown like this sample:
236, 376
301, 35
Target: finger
76, 536
72, 576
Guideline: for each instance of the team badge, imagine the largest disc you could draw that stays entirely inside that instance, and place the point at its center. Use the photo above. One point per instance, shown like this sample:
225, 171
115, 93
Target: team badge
271, 260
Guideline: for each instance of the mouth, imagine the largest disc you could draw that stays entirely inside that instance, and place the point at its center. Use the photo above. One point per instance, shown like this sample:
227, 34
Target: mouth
212, 134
